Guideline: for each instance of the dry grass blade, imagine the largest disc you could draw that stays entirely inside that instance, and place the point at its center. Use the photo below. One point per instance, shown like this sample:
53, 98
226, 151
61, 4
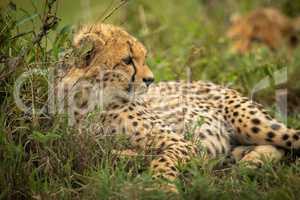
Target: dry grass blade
122, 3
113, 10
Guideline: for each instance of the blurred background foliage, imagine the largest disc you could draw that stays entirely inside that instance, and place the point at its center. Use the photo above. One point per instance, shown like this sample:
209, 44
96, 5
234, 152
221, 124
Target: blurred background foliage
39, 156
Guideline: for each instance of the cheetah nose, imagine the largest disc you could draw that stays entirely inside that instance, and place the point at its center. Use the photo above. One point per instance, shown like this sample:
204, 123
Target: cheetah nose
148, 80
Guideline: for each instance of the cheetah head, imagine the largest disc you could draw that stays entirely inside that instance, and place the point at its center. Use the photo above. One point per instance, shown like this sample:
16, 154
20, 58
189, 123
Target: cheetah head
112, 61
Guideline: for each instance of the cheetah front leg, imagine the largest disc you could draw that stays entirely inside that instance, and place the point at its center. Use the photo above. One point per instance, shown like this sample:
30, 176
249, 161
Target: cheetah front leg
168, 151
208, 129
151, 137
213, 137
172, 150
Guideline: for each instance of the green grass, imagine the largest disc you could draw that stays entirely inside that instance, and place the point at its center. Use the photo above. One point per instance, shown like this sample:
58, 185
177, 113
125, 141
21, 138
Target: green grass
42, 158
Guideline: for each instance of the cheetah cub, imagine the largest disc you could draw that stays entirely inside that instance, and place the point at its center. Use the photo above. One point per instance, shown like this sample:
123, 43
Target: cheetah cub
155, 118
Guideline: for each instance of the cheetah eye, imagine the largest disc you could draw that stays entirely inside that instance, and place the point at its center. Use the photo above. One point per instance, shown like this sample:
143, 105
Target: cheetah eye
127, 60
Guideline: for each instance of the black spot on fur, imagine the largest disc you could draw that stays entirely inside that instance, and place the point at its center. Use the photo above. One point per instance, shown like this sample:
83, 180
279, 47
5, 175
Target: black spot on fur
285, 137
173, 168
230, 102
271, 134
115, 116
226, 110
217, 97
115, 106
135, 123
171, 174
137, 133
252, 112
183, 152
295, 137
255, 129
202, 136
130, 108
255, 121
209, 132
162, 145
139, 139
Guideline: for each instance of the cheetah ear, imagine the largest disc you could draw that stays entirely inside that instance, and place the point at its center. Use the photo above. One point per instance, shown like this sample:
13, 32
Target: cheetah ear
87, 45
